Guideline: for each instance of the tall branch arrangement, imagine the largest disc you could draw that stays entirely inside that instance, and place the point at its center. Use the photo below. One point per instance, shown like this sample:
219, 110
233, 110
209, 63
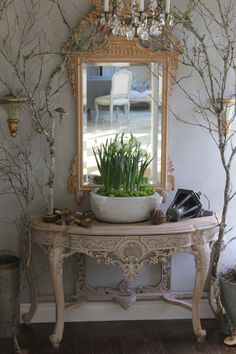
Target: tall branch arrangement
31, 66
37, 70
208, 32
18, 181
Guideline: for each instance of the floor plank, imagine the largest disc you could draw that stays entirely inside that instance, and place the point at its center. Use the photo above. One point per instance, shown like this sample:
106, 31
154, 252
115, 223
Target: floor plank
123, 337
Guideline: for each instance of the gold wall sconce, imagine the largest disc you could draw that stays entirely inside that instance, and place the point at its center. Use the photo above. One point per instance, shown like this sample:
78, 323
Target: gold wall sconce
228, 114
12, 105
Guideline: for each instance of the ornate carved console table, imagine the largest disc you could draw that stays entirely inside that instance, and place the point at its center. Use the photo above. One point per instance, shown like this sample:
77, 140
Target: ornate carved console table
130, 246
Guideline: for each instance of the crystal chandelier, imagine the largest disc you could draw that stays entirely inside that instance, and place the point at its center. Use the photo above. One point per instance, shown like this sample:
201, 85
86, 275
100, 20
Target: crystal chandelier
140, 21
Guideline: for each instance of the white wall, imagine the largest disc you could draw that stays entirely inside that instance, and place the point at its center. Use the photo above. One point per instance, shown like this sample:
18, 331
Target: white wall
195, 157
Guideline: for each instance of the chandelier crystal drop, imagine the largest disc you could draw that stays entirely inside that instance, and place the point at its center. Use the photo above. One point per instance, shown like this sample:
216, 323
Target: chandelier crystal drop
140, 21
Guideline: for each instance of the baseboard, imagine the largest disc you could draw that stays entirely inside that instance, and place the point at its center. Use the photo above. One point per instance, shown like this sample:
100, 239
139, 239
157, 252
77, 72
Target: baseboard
108, 311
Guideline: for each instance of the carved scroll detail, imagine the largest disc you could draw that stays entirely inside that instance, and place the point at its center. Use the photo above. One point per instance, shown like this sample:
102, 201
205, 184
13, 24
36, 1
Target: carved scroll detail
170, 176
124, 301
72, 181
129, 253
72, 73
123, 289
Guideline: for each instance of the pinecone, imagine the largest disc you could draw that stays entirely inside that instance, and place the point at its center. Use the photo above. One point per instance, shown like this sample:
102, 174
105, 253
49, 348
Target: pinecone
158, 217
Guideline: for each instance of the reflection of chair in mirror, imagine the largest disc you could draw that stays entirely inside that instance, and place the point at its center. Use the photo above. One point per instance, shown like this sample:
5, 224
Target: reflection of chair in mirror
119, 96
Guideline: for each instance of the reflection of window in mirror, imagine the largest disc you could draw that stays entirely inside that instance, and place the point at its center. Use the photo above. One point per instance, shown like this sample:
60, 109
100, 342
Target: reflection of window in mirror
111, 108
99, 72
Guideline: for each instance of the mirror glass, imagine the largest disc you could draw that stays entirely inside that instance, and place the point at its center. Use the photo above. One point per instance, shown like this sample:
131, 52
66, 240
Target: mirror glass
121, 98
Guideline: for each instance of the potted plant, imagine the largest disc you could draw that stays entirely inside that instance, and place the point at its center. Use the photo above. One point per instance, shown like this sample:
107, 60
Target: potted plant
227, 286
125, 195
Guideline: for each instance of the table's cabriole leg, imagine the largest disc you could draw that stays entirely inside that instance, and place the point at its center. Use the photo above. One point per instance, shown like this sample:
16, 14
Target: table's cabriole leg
33, 286
230, 341
55, 261
202, 260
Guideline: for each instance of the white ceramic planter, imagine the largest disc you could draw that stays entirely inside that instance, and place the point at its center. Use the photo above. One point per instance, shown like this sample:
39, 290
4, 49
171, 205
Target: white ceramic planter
123, 209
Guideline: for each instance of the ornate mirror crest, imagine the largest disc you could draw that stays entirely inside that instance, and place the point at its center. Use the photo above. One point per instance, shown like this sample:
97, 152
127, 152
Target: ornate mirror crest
92, 32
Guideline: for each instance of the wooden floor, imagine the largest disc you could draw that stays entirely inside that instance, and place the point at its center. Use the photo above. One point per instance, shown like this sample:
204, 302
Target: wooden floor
129, 337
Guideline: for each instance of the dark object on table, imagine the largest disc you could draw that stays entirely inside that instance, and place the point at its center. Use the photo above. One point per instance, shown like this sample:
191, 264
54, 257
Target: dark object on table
185, 205
158, 217
50, 218
206, 213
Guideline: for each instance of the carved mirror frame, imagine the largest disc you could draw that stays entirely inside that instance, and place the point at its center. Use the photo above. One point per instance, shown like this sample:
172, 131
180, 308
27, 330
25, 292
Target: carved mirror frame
101, 46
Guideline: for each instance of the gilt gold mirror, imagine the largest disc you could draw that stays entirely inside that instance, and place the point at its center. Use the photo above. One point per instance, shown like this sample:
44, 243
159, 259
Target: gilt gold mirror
120, 86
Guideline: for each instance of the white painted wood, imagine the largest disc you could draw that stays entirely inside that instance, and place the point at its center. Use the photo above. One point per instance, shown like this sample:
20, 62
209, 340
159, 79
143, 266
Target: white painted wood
129, 246
108, 311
